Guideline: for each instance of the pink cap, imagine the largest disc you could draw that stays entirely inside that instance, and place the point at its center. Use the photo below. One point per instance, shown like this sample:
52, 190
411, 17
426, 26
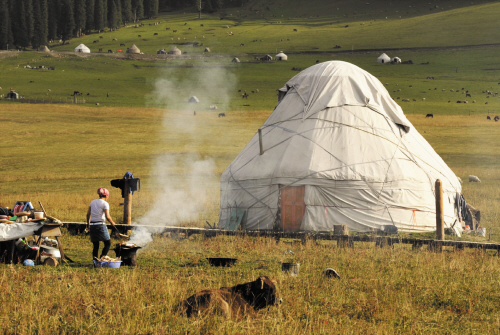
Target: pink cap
103, 192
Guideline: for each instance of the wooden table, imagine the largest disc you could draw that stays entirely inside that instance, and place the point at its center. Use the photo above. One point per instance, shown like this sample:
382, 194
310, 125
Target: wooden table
50, 229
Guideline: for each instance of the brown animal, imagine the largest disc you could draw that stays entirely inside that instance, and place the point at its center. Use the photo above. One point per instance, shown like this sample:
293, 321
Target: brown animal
232, 302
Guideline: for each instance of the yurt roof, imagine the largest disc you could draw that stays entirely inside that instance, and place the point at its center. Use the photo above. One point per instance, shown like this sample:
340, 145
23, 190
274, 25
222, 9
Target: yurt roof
134, 49
175, 50
384, 57
82, 48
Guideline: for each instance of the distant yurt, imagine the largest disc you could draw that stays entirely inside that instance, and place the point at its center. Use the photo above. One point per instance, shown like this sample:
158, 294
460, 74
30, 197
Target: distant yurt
12, 95
383, 58
82, 48
267, 58
337, 149
396, 60
44, 49
281, 56
207, 49
133, 50
162, 52
236, 60
175, 51
194, 99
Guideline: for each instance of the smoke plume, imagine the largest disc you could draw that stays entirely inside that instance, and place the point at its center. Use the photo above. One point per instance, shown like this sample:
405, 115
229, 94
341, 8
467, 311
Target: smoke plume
184, 179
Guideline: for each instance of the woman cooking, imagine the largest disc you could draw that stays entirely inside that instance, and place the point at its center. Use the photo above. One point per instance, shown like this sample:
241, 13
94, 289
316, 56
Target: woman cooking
97, 215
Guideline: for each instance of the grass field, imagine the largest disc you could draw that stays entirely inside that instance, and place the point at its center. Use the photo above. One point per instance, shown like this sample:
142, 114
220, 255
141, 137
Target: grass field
60, 154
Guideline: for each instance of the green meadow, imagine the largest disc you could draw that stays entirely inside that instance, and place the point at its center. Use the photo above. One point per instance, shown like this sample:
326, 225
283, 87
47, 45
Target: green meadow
136, 117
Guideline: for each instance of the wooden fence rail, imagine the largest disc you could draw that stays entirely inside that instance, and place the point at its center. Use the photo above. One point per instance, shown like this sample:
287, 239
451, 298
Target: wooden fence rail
342, 240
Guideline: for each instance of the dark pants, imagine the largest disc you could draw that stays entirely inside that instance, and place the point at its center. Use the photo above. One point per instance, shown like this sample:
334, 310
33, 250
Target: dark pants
95, 251
99, 233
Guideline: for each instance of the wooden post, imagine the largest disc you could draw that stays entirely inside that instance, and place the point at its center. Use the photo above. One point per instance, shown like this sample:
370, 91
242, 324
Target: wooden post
127, 204
439, 211
260, 142
342, 231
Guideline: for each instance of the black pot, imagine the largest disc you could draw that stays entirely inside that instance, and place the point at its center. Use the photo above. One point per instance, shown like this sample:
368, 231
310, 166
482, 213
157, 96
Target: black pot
127, 254
222, 261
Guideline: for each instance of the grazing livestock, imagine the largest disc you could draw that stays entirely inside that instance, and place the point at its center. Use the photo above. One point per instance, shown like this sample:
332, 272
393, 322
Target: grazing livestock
122, 44
222, 114
496, 118
100, 49
110, 51
430, 115
474, 179
232, 302
101, 37
96, 41
155, 34
331, 273
488, 118
137, 36
114, 39
467, 95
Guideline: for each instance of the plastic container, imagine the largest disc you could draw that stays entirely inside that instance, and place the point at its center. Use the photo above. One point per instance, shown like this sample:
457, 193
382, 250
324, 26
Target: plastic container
28, 262
291, 268
105, 264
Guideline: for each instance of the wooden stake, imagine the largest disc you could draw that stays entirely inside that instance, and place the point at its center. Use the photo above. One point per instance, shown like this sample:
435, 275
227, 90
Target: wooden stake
260, 142
127, 204
439, 211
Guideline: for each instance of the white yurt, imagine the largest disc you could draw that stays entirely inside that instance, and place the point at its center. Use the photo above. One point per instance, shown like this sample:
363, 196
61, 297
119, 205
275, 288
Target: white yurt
281, 56
383, 58
82, 48
194, 99
175, 51
337, 149
236, 60
133, 50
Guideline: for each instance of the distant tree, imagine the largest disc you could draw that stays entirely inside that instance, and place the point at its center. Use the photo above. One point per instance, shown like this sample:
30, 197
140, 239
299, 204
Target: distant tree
126, 11
30, 23
67, 20
151, 8
80, 16
114, 14
6, 39
89, 13
20, 34
208, 6
40, 18
137, 9
198, 5
53, 19
100, 15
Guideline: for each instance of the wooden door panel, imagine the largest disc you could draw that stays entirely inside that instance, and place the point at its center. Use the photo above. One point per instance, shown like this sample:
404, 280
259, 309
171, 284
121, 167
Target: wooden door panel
292, 207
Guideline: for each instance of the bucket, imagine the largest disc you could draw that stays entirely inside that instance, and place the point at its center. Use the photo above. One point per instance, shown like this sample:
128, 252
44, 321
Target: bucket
292, 268
39, 215
104, 264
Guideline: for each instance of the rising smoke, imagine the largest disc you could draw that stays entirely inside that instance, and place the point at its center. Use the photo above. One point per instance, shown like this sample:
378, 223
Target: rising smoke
184, 179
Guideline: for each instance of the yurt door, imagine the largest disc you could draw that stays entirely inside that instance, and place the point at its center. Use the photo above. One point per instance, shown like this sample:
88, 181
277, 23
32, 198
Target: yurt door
292, 207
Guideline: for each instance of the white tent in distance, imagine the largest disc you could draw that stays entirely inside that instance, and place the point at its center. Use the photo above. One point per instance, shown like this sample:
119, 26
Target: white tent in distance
337, 149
